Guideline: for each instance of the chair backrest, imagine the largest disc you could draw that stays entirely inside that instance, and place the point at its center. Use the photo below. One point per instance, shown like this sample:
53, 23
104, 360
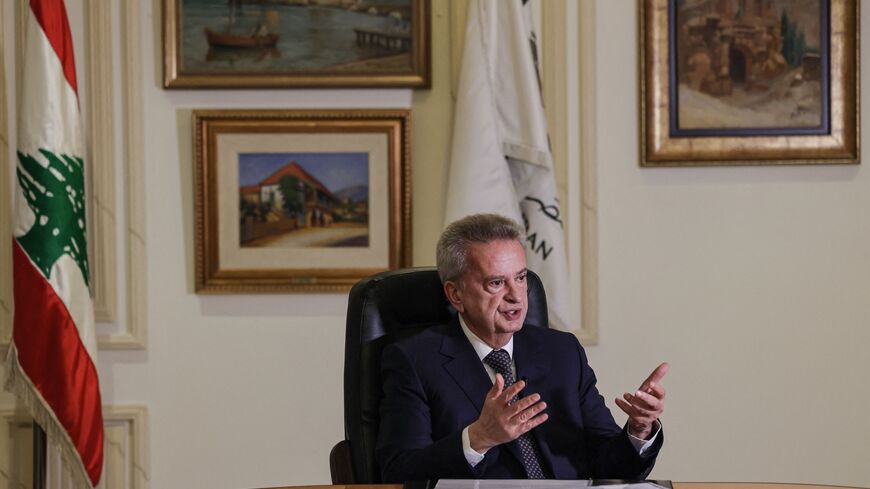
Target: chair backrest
381, 309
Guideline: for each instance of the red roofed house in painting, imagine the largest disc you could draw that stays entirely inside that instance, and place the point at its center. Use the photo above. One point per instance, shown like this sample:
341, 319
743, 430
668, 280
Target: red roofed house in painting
289, 199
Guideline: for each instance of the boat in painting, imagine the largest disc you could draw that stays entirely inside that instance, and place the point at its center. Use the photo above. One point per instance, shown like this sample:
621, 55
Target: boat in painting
229, 40
259, 38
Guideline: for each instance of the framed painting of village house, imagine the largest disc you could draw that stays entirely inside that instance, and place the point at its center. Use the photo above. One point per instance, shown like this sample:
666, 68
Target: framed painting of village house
299, 200
749, 82
296, 43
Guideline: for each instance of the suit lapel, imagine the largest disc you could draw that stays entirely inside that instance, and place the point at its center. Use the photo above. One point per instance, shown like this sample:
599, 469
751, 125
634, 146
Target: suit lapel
530, 357
464, 366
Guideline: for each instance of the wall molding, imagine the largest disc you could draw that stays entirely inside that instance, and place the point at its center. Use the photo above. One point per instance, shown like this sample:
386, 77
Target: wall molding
5, 205
101, 149
125, 450
15, 449
132, 457
458, 19
570, 182
134, 337
555, 82
588, 181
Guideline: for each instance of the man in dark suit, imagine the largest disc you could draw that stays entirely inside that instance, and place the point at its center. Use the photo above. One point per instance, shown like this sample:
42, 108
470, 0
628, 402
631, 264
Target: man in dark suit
451, 408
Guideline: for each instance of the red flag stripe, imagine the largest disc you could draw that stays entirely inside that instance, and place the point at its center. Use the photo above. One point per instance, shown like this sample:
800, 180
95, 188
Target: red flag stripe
51, 353
51, 15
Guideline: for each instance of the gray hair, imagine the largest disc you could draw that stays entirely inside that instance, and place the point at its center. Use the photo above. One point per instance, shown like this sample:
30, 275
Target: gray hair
452, 248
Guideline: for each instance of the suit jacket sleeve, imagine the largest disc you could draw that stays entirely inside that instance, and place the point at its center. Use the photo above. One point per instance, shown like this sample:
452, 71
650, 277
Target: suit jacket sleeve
406, 449
612, 456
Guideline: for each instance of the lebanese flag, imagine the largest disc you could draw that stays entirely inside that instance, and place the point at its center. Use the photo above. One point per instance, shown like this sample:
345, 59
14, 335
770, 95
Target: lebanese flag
51, 363
500, 160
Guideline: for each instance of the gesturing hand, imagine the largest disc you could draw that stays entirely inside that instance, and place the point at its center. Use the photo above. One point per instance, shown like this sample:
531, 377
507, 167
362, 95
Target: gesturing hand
646, 405
500, 420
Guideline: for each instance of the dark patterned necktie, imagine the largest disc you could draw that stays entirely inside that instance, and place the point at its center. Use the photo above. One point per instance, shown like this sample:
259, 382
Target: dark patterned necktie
500, 361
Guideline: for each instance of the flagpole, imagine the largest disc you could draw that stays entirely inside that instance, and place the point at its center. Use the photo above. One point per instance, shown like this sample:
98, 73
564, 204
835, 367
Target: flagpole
40, 467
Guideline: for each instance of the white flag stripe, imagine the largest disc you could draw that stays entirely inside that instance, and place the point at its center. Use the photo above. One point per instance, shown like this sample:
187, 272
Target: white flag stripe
500, 158
44, 125
67, 281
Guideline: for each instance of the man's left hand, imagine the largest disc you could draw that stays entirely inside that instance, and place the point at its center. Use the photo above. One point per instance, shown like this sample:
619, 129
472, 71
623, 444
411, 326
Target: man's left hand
646, 405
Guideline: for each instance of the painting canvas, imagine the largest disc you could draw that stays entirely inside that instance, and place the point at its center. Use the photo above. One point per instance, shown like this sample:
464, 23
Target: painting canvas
296, 42
751, 64
748, 82
303, 199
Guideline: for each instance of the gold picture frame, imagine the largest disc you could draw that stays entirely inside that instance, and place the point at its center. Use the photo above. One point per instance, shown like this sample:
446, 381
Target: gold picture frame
695, 66
296, 43
299, 200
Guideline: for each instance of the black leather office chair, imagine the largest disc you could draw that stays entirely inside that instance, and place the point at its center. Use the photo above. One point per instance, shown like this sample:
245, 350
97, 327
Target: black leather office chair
381, 309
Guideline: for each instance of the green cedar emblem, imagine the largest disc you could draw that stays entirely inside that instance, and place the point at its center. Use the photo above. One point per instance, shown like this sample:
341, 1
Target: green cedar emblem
57, 197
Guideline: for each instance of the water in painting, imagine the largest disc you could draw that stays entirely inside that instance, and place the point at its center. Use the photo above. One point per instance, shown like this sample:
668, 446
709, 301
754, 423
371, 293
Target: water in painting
295, 36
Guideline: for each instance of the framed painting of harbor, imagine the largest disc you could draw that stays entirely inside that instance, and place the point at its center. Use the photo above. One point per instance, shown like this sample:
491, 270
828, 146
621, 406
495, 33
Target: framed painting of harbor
299, 200
749, 82
296, 43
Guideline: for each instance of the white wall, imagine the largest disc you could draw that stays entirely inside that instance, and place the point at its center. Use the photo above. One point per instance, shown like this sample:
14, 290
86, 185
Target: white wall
752, 282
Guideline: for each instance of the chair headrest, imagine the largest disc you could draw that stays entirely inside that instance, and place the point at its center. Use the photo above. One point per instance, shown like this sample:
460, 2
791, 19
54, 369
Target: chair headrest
395, 301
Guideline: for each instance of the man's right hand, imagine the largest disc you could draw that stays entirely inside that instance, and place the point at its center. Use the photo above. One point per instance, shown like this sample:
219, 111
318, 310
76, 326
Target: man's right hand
502, 421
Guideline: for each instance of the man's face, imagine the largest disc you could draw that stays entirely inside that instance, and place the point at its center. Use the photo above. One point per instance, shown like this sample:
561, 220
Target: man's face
491, 295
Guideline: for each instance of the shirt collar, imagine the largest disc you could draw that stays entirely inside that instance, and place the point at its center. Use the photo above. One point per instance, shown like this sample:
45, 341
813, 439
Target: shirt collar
480, 347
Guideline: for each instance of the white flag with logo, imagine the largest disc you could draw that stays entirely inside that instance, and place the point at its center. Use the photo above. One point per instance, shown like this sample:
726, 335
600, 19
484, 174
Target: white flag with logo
501, 161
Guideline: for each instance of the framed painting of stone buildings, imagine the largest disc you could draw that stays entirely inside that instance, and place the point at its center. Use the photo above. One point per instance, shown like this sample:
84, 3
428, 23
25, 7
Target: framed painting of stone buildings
296, 43
299, 200
748, 82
